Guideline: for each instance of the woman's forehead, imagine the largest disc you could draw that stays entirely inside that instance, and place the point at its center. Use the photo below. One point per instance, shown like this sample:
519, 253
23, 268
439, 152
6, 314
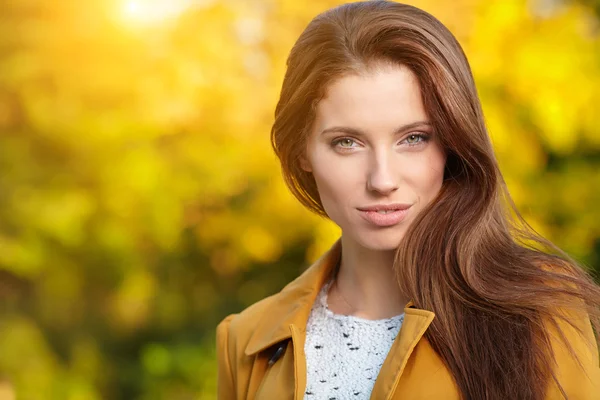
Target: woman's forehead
380, 97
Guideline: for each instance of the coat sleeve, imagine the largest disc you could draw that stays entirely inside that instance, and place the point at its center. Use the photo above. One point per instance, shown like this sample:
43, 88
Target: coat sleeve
579, 376
225, 366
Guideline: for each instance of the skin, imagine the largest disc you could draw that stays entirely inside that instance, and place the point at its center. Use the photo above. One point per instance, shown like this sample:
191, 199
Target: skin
369, 162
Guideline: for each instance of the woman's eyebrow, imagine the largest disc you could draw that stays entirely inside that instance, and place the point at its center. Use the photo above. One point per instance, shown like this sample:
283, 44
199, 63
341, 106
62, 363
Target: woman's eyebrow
354, 131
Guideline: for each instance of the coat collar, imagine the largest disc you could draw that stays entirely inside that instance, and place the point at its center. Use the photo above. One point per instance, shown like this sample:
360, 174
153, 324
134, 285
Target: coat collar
293, 304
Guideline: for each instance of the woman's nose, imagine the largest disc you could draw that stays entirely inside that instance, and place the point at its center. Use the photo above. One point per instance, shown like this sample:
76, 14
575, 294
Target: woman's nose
382, 176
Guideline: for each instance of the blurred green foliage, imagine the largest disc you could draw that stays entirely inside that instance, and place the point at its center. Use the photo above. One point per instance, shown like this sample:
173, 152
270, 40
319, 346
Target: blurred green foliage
140, 201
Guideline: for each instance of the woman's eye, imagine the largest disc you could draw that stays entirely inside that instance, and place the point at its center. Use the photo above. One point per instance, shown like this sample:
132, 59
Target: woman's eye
415, 139
344, 142
411, 140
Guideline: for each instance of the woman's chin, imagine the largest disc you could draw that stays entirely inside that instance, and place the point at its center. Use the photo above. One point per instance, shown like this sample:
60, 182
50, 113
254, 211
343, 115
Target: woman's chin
381, 241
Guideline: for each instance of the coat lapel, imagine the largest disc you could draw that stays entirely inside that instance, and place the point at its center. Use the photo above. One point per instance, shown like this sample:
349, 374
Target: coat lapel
286, 319
416, 322
293, 304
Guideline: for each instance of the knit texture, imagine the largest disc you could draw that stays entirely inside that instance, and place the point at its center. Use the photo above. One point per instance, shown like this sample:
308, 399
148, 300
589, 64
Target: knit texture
344, 353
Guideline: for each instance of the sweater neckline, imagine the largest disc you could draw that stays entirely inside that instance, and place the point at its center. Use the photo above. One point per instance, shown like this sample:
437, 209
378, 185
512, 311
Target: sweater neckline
322, 303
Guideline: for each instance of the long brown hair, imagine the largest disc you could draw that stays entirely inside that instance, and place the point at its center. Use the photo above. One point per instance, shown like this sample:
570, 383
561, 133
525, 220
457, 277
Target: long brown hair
495, 285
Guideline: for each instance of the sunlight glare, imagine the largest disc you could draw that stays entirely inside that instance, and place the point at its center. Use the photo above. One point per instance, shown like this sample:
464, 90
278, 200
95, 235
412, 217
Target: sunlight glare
153, 11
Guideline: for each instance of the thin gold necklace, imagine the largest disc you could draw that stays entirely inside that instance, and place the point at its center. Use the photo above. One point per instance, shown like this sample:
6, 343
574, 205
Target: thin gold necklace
335, 285
340, 295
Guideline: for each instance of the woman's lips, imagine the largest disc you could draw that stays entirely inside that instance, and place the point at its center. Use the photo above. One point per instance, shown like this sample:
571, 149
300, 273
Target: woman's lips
388, 219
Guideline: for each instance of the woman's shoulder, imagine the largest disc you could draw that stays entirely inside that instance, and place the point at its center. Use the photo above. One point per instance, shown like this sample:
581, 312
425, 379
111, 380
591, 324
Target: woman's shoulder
576, 357
264, 316
286, 306
233, 337
574, 343
242, 325
241, 336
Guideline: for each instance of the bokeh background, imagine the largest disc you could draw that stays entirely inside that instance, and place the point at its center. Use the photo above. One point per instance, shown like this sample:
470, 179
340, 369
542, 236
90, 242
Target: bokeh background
140, 201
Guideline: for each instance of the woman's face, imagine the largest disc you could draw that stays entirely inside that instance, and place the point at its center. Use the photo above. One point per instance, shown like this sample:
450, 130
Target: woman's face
371, 146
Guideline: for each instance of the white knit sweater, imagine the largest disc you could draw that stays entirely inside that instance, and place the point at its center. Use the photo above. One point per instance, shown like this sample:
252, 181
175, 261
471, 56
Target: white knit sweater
344, 353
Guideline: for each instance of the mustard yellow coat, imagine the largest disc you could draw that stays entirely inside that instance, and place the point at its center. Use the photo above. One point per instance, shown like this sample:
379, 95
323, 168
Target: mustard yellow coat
260, 351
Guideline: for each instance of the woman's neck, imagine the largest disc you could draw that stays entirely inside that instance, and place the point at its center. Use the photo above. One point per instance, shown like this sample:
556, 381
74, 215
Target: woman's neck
365, 284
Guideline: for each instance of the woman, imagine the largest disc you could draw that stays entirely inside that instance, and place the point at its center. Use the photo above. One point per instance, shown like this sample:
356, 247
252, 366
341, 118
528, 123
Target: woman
437, 289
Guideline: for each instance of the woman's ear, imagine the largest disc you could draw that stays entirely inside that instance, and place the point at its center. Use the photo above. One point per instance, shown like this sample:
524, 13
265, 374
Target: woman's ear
304, 164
